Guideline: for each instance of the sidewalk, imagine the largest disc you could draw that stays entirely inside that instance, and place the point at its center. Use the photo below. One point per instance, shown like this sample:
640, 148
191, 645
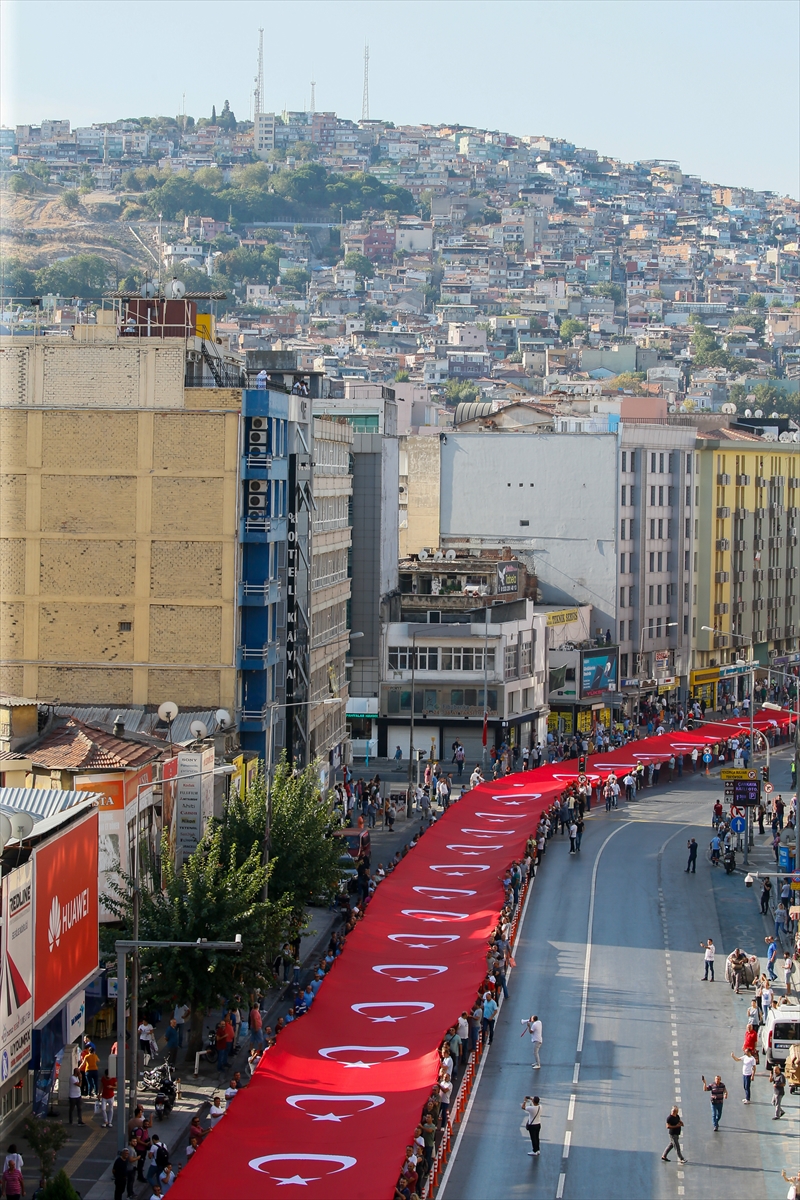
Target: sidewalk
90, 1150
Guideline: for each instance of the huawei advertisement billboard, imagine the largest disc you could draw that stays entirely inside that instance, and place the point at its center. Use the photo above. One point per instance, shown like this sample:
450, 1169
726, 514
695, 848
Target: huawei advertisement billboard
65, 916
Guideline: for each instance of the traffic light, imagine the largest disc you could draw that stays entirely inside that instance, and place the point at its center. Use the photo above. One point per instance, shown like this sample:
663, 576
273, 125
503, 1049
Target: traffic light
581, 764
765, 774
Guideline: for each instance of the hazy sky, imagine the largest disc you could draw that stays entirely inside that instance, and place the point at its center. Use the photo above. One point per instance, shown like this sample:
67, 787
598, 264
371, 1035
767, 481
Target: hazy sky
712, 83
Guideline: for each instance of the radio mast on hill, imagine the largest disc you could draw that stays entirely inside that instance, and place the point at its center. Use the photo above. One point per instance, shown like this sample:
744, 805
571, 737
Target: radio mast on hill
365, 100
258, 95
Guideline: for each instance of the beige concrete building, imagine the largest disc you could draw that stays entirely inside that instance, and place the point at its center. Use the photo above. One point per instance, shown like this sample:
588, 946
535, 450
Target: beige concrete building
118, 523
419, 493
330, 582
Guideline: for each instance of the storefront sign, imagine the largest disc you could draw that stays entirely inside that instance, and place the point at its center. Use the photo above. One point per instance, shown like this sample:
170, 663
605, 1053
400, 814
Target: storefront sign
564, 616
193, 802
66, 915
76, 1016
16, 973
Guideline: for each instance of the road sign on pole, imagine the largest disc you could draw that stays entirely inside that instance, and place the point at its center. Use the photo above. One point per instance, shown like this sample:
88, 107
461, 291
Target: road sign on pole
738, 824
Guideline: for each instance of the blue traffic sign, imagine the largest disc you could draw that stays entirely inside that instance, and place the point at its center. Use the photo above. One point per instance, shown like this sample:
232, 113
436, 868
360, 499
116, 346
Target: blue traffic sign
706, 757
738, 824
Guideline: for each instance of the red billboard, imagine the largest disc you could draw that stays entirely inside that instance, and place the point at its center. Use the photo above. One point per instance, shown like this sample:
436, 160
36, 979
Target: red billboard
66, 915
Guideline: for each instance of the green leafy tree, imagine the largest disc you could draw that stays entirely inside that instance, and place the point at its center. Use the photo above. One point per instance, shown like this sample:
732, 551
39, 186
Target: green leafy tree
217, 894
611, 291
401, 377
81, 275
631, 381
570, 328
461, 393
296, 278
45, 1138
769, 398
226, 119
71, 199
21, 184
16, 279
353, 261
304, 858
41, 170
756, 300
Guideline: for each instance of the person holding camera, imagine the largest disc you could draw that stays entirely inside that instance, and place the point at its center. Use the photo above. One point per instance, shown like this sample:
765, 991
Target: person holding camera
533, 1122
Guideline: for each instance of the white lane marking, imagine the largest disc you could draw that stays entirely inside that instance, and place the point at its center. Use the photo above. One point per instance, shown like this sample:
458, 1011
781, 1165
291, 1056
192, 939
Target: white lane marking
567, 1140
571, 1109
589, 924
560, 1189
467, 1111
576, 1072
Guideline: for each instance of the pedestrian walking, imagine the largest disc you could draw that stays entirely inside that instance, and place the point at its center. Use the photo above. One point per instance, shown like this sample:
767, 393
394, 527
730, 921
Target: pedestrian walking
772, 954
748, 1072
533, 1122
766, 890
708, 956
534, 1027
778, 1080
180, 1013
108, 1089
573, 834
13, 1183
692, 863
719, 1093
674, 1129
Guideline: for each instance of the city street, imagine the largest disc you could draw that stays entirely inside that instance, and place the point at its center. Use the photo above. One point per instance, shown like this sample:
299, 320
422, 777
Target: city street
629, 1026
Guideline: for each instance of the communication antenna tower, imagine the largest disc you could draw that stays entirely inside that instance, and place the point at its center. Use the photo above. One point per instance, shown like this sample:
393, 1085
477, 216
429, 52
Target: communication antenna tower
259, 90
365, 100
313, 108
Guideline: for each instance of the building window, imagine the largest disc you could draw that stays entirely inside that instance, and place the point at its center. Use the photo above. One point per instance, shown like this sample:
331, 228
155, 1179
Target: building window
510, 662
658, 594
652, 528
623, 664
622, 631
526, 658
661, 464
125, 626
660, 528
650, 591
685, 625
650, 628
652, 464
624, 460
652, 561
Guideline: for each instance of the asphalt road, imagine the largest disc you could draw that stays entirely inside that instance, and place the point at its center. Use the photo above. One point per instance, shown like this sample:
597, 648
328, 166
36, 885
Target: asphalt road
628, 975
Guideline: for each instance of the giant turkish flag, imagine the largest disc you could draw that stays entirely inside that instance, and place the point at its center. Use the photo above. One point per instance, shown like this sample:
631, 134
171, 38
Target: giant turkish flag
333, 1105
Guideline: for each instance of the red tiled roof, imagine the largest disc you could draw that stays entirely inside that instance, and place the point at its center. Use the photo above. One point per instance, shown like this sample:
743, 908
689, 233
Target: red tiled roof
78, 747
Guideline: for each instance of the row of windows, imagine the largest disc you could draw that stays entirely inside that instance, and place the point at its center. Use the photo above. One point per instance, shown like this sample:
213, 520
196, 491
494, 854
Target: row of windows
660, 464
657, 593
660, 496
445, 658
436, 699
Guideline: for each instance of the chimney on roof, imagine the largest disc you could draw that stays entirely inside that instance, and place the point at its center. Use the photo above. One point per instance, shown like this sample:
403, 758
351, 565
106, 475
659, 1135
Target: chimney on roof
119, 725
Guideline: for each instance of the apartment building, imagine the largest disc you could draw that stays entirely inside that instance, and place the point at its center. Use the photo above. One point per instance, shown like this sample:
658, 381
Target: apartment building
492, 659
747, 497
331, 552
155, 525
655, 566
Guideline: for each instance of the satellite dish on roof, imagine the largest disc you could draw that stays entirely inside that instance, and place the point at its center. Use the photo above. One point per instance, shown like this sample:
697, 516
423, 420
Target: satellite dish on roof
728, 408
5, 830
423, 554
438, 556
758, 413
673, 408
168, 711
223, 718
199, 729
785, 436
21, 823
450, 555
175, 289
773, 415
747, 412
769, 435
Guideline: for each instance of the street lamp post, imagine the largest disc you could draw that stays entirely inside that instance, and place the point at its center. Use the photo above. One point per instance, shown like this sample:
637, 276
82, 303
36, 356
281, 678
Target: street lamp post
411, 751
224, 770
745, 638
123, 947
667, 625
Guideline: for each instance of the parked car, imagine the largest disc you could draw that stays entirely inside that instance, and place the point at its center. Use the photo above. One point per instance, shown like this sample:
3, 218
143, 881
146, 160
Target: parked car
781, 1030
357, 842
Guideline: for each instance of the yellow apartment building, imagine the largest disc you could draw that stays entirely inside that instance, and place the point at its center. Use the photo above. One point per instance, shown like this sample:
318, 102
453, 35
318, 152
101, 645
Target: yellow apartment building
118, 523
747, 516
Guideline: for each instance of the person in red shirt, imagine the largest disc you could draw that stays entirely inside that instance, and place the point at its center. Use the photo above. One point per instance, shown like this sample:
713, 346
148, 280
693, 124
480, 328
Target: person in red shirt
108, 1089
256, 1028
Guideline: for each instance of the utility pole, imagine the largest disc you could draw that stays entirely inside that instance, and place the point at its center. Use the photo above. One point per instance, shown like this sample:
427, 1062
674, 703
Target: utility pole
365, 99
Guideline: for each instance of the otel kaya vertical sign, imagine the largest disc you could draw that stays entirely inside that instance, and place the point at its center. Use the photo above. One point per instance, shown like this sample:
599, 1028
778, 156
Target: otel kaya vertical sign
16, 974
292, 563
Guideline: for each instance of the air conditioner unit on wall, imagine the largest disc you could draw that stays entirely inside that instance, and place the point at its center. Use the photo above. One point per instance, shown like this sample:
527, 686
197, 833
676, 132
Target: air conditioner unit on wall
258, 437
257, 485
259, 423
256, 501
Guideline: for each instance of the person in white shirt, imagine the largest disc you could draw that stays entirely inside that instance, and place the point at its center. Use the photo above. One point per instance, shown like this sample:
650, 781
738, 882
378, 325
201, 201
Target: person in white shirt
13, 1159
533, 1122
708, 956
573, 833
748, 1072
534, 1027
475, 778
215, 1113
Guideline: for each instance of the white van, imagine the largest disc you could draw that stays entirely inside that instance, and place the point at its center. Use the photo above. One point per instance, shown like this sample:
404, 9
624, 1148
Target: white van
780, 1030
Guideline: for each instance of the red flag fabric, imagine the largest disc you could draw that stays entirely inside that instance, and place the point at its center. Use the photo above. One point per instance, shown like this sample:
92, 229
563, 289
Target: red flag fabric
333, 1105
485, 725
